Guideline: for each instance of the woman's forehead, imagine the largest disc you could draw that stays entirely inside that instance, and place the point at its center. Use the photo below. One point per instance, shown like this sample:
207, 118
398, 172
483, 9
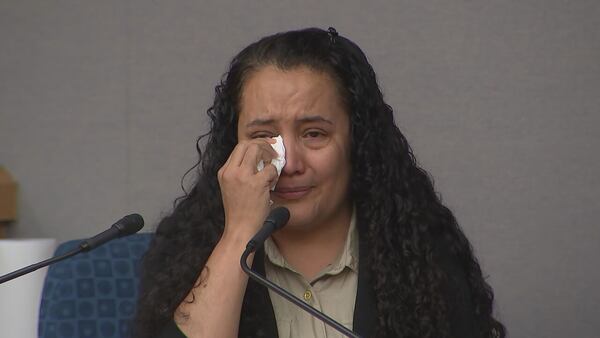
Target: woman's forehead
300, 94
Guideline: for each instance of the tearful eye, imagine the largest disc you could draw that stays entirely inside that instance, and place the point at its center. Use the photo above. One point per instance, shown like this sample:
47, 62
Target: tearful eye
315, 138
313, 134
262, 135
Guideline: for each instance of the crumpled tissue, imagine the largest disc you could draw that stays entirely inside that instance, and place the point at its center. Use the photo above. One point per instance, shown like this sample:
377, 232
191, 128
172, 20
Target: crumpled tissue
278, 162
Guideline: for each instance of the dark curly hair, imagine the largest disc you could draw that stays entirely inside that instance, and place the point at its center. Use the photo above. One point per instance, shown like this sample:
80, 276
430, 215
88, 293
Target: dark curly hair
407, 229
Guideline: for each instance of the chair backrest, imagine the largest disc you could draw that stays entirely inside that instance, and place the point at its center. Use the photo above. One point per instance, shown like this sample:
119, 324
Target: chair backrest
93, 294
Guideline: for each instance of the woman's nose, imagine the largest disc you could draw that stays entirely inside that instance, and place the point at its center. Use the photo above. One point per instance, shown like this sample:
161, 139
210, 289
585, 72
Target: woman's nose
294, 158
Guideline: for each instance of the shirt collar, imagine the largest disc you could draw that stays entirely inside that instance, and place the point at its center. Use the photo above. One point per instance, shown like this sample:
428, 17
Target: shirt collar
347, 258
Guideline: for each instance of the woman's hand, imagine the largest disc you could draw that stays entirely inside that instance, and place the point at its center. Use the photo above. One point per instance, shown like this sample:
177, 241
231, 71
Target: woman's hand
245, 190
216, 301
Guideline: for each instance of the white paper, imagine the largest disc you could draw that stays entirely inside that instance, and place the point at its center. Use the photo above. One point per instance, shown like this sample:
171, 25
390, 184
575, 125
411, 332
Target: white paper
20, 297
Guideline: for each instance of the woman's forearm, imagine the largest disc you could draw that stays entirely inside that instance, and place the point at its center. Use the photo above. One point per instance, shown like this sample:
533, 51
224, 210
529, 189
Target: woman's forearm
213, 306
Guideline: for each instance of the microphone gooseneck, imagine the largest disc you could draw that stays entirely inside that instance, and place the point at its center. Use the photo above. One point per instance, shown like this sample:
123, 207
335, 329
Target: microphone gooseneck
277, 218
126, 226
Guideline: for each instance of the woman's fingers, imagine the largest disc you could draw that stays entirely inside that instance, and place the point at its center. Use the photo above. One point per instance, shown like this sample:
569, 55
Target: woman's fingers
256, 152
252, 159
247, 154
269, 174
238, 154
241, 166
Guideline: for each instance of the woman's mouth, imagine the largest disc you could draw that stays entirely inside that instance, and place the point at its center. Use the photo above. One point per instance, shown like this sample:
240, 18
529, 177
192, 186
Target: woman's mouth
291, 193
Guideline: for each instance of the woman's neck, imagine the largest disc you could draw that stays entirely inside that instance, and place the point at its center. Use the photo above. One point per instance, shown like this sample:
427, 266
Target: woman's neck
310, 251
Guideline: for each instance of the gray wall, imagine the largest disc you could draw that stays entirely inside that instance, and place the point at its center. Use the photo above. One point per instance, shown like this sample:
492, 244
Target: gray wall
101, 103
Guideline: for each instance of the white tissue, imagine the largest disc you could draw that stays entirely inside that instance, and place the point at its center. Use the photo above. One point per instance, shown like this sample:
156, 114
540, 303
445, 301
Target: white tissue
278, 162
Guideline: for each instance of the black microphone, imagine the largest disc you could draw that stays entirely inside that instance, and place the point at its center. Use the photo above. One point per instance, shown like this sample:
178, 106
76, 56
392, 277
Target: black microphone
277, 218
126, 226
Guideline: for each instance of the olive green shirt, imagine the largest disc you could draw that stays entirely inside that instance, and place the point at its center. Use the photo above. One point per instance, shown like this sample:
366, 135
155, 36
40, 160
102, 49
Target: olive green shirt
332, 291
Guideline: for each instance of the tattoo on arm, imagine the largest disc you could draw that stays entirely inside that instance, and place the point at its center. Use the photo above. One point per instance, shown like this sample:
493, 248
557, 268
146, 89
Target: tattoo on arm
180, 314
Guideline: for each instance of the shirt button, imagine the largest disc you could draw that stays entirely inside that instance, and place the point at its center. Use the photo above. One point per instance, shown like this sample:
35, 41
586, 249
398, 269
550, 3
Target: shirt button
307, 295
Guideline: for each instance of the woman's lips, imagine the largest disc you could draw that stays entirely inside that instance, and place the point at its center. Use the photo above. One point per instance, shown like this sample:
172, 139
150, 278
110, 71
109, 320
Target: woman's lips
291, 193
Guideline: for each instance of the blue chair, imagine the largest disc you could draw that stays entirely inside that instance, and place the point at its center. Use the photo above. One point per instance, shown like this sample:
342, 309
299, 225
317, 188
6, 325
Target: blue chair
93, 294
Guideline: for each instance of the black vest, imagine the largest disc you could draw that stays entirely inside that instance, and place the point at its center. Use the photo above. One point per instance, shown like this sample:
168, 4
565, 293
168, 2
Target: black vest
258, 318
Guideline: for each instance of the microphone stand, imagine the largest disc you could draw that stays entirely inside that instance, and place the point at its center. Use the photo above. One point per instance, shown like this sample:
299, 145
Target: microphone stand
126, 226
290, 297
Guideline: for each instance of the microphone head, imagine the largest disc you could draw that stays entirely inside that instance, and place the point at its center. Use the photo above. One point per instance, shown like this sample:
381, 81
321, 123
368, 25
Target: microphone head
129, 225
279, 217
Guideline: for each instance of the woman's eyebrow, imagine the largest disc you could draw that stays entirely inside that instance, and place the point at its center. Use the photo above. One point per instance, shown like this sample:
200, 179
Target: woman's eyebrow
314, 118
304, 119
259, 122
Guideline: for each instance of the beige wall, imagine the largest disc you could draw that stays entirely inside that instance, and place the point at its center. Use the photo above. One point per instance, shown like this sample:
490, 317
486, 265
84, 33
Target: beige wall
101, 103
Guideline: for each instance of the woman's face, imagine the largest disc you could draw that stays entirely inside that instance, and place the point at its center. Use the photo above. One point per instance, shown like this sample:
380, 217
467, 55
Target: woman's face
305, 108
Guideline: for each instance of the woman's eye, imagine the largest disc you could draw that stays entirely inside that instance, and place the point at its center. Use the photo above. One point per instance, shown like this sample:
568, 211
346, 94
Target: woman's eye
262, 135
315, 138
314, 134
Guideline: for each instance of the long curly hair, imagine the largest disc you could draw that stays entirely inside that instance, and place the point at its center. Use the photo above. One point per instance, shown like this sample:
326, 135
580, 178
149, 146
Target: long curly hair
407, 229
